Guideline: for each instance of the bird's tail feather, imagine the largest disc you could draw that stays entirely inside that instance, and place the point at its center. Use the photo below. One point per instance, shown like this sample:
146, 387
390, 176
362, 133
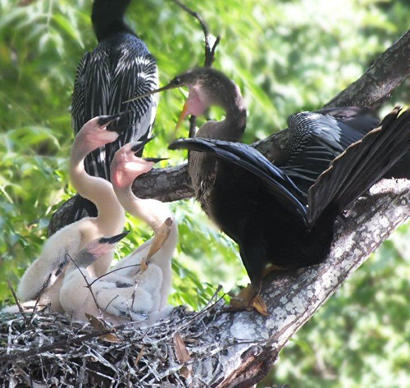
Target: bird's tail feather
361, 165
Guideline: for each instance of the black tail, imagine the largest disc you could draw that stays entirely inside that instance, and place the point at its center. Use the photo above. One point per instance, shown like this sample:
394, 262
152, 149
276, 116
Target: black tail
361, 165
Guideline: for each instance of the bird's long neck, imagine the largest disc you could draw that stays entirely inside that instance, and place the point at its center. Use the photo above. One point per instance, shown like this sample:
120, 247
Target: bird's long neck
108, 18
111, 215
234, 124
151, 211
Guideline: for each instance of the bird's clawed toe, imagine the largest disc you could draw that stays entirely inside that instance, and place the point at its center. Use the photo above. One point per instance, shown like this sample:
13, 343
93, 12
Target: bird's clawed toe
249, 299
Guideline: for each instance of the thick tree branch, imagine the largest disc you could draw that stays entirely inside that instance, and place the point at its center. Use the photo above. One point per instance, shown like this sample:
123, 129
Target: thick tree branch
387, 72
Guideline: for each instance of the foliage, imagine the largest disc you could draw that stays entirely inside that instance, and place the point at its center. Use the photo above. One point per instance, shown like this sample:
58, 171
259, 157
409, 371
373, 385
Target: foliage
286, 56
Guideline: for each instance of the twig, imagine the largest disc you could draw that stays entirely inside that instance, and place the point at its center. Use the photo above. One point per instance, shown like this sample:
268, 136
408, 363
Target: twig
114, 270
86, 281
209, 51
42, 289
18, 303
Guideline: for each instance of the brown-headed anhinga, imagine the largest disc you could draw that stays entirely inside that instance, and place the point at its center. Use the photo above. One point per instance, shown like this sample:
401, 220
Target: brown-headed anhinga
119, 68
282, 214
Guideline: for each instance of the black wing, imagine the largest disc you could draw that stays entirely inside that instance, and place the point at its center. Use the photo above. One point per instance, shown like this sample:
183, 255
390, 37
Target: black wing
361, 165
315, 139
247, 157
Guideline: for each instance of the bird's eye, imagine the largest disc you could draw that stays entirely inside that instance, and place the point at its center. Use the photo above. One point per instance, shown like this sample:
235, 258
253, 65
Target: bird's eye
176, 81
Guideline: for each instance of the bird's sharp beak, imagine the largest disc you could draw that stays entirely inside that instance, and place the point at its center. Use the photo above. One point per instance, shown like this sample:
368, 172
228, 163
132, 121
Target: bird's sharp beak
159, 90
155, 160
182, 116
139, 145
113, 239
107, 120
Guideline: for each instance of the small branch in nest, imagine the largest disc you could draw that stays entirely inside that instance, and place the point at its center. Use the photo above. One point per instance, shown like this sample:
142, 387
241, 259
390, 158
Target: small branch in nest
26, 321
40, 294
88, 285
112, 271
60, 344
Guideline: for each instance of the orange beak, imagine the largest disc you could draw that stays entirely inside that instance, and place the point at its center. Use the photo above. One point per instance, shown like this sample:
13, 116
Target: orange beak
182, 115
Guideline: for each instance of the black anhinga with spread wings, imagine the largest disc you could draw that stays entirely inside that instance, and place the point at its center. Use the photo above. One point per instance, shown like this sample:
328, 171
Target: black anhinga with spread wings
120, 68
283, 214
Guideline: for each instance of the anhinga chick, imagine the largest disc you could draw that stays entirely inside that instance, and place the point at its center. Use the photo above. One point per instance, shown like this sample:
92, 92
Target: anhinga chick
283, 216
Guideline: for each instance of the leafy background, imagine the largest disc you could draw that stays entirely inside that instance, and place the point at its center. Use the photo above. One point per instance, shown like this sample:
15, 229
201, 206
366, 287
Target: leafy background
286, 56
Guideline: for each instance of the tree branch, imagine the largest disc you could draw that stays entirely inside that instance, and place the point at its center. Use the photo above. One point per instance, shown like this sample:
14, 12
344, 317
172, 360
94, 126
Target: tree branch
387, 72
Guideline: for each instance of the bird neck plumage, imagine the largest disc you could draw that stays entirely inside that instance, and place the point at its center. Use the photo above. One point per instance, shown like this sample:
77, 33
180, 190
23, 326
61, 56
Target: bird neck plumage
98, 190
108, 18
151, 211
229, 129
234, 124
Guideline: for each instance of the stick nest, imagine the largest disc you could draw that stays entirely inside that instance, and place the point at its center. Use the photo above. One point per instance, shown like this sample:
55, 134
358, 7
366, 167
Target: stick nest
50, 349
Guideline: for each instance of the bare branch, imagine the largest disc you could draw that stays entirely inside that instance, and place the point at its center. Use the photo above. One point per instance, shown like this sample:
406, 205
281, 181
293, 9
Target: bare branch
387, 72
22, 312
88, 285
209, 51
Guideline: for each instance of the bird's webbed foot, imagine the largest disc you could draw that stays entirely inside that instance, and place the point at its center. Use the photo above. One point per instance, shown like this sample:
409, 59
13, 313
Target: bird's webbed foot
249, 298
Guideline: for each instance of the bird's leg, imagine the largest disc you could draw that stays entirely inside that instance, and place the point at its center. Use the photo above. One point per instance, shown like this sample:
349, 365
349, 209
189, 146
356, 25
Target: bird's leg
157, 242
249, 297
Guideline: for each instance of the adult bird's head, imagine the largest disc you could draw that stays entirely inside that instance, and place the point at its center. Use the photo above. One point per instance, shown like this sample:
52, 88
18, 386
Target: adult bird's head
96, 249
107, 17
207, 87
126, 166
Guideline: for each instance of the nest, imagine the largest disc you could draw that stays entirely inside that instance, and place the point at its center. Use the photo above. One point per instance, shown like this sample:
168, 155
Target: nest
49, 349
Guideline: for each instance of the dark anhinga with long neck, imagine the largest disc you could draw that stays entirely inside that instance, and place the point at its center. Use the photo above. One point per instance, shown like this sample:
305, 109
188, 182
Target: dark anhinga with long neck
119, 68
283, 214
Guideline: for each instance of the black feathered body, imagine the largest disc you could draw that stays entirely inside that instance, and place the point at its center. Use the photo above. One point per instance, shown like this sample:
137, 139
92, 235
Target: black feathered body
265, 231
120, 68
285, 215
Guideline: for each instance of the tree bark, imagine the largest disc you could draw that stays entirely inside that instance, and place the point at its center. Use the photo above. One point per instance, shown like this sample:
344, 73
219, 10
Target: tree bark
251, 342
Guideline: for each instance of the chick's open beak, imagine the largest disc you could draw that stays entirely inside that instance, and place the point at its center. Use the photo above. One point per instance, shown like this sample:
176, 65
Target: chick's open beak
111, 122
155, 160
139, 145
113, 239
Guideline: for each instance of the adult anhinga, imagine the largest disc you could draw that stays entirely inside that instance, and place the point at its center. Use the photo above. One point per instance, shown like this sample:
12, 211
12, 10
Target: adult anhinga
283, 216
45, 274
119, 68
